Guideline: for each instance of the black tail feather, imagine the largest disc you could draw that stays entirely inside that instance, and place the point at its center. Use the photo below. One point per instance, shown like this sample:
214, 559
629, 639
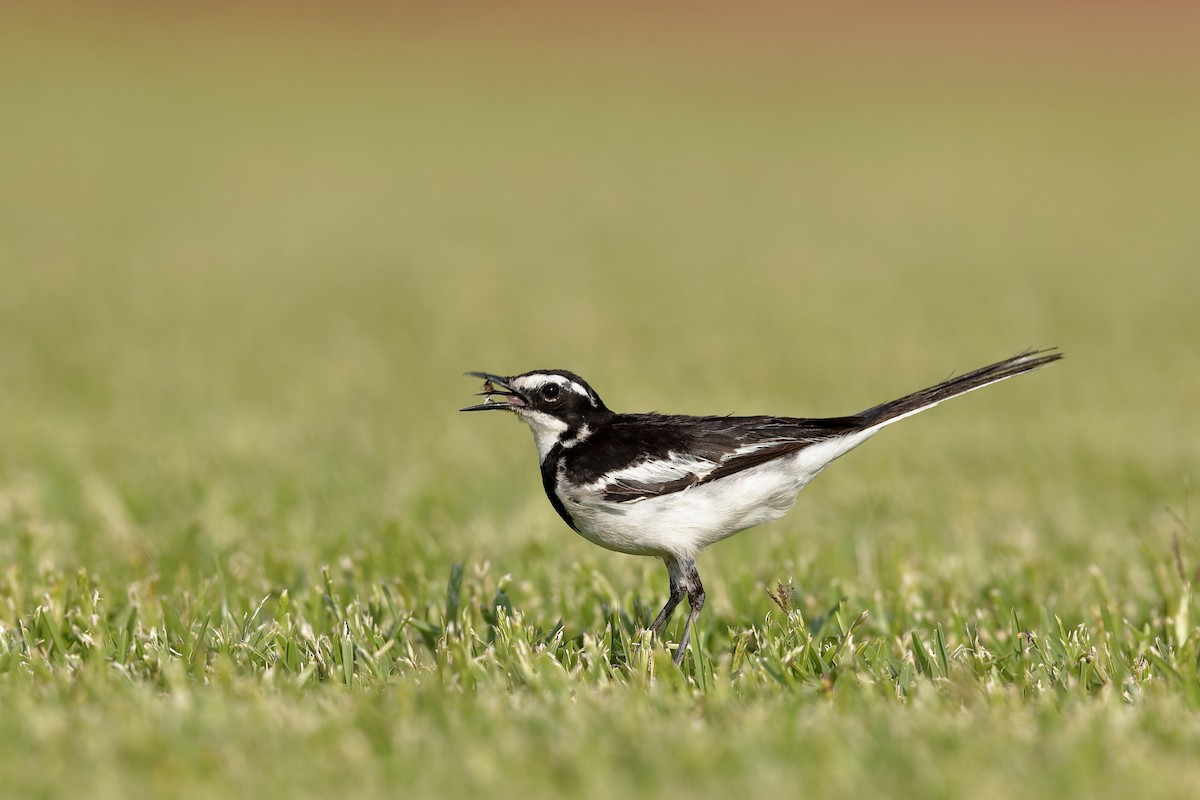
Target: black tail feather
926, 398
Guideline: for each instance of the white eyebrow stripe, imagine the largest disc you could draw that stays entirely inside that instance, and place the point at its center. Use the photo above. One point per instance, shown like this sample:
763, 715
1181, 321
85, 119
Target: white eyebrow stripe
534, 382
575, 387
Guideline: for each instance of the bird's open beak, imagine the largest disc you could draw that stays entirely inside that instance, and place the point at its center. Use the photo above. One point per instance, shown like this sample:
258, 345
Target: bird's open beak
497, 392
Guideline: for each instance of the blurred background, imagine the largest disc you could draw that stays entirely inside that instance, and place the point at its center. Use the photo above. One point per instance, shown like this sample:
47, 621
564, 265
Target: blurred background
246, 253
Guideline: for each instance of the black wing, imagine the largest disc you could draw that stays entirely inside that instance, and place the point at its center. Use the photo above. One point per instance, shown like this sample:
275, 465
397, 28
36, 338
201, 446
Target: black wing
638, 456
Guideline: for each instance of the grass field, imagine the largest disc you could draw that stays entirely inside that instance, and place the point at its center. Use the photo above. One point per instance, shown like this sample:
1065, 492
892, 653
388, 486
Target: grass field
249, 548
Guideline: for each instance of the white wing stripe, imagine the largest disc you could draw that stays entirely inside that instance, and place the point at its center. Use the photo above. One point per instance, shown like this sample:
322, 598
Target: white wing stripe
661, 470
675, 467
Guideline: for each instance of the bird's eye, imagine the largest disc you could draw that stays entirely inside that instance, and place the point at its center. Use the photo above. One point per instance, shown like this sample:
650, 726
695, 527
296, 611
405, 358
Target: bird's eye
551, 391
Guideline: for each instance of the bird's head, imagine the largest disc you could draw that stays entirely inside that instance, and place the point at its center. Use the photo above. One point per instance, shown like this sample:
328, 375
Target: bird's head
558, 406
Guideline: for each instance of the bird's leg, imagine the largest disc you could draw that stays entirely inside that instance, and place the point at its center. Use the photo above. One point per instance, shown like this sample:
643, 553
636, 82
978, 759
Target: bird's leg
695, 595
678, 592
685, 582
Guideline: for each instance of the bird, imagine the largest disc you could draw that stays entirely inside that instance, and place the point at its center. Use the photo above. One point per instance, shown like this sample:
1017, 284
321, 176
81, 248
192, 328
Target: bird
669, 485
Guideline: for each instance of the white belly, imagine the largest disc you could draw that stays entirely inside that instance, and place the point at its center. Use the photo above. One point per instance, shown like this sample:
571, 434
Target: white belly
683, 523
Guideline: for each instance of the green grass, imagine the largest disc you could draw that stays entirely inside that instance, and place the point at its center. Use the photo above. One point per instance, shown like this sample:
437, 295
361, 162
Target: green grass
249, 548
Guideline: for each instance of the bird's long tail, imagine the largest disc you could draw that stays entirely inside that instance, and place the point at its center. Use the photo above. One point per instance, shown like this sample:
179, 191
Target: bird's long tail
885, 413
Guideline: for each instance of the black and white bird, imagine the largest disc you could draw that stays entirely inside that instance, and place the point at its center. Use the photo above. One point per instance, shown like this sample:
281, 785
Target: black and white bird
668, 486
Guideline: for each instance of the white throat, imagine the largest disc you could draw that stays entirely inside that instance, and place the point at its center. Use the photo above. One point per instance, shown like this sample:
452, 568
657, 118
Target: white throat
547, 431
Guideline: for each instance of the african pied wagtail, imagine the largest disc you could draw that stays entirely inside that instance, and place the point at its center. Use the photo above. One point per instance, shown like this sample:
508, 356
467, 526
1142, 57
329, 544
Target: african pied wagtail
668, 486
